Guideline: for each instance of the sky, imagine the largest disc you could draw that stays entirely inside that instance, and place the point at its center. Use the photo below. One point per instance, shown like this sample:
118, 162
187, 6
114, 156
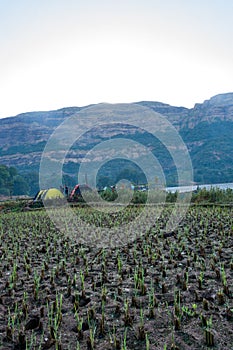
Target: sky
62, 53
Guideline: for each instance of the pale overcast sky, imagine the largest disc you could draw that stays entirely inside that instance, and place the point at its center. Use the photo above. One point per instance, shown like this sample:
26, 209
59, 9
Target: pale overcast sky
61, 53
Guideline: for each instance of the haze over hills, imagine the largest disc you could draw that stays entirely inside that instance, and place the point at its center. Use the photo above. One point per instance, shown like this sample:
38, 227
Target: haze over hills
206, 129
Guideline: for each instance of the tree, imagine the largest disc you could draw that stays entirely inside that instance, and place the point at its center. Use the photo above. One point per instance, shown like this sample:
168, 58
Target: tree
104, 181
6, 181
32, 180
20, 186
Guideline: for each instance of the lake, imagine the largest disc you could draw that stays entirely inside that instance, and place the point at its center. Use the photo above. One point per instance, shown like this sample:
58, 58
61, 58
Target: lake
223, 186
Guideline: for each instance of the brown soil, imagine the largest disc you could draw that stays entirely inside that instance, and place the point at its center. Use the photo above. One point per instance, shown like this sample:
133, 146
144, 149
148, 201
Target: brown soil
172, 292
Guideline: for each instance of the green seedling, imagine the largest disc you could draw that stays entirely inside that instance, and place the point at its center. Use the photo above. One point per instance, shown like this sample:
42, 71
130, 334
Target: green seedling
79, 324
147, 342
113, 339
82, 283
14, 275
141, 328
119, 264
127, 317
200, 280
91, 339
36, 286
124, 345
187, 311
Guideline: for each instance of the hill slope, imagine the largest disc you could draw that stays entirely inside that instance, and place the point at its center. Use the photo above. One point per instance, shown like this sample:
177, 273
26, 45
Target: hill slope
206, 129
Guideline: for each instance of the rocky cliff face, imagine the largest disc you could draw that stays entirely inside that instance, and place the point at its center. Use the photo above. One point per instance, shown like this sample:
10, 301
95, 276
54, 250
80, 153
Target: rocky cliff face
176, 115
217, 108
206, 129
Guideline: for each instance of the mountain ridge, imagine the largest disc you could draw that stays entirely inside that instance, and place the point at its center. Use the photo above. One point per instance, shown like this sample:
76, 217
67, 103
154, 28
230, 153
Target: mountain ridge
206, 130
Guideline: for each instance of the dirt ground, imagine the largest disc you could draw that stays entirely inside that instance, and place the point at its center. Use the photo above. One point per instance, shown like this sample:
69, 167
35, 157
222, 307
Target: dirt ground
162, 291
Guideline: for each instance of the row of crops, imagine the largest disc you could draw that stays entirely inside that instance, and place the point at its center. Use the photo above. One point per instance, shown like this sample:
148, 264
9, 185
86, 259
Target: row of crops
160, 291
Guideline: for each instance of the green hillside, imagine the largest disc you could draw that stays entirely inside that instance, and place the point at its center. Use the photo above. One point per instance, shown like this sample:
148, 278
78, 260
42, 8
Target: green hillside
206, 129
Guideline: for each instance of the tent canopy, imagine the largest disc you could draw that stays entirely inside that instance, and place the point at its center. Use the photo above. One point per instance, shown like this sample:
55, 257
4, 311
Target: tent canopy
78, 189
50, 193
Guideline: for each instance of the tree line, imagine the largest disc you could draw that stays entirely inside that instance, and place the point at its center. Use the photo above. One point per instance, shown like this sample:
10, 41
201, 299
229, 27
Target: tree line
11, 183
14, 184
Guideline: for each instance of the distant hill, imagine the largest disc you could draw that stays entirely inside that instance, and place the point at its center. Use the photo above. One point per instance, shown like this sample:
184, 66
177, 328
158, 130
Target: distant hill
206, 129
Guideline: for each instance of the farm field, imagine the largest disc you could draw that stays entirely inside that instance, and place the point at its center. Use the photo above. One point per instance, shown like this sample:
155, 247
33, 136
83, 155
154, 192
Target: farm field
161, 291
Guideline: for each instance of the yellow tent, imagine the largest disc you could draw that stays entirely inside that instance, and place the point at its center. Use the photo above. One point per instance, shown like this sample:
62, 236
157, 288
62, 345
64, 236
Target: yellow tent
51, 193
39, 195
